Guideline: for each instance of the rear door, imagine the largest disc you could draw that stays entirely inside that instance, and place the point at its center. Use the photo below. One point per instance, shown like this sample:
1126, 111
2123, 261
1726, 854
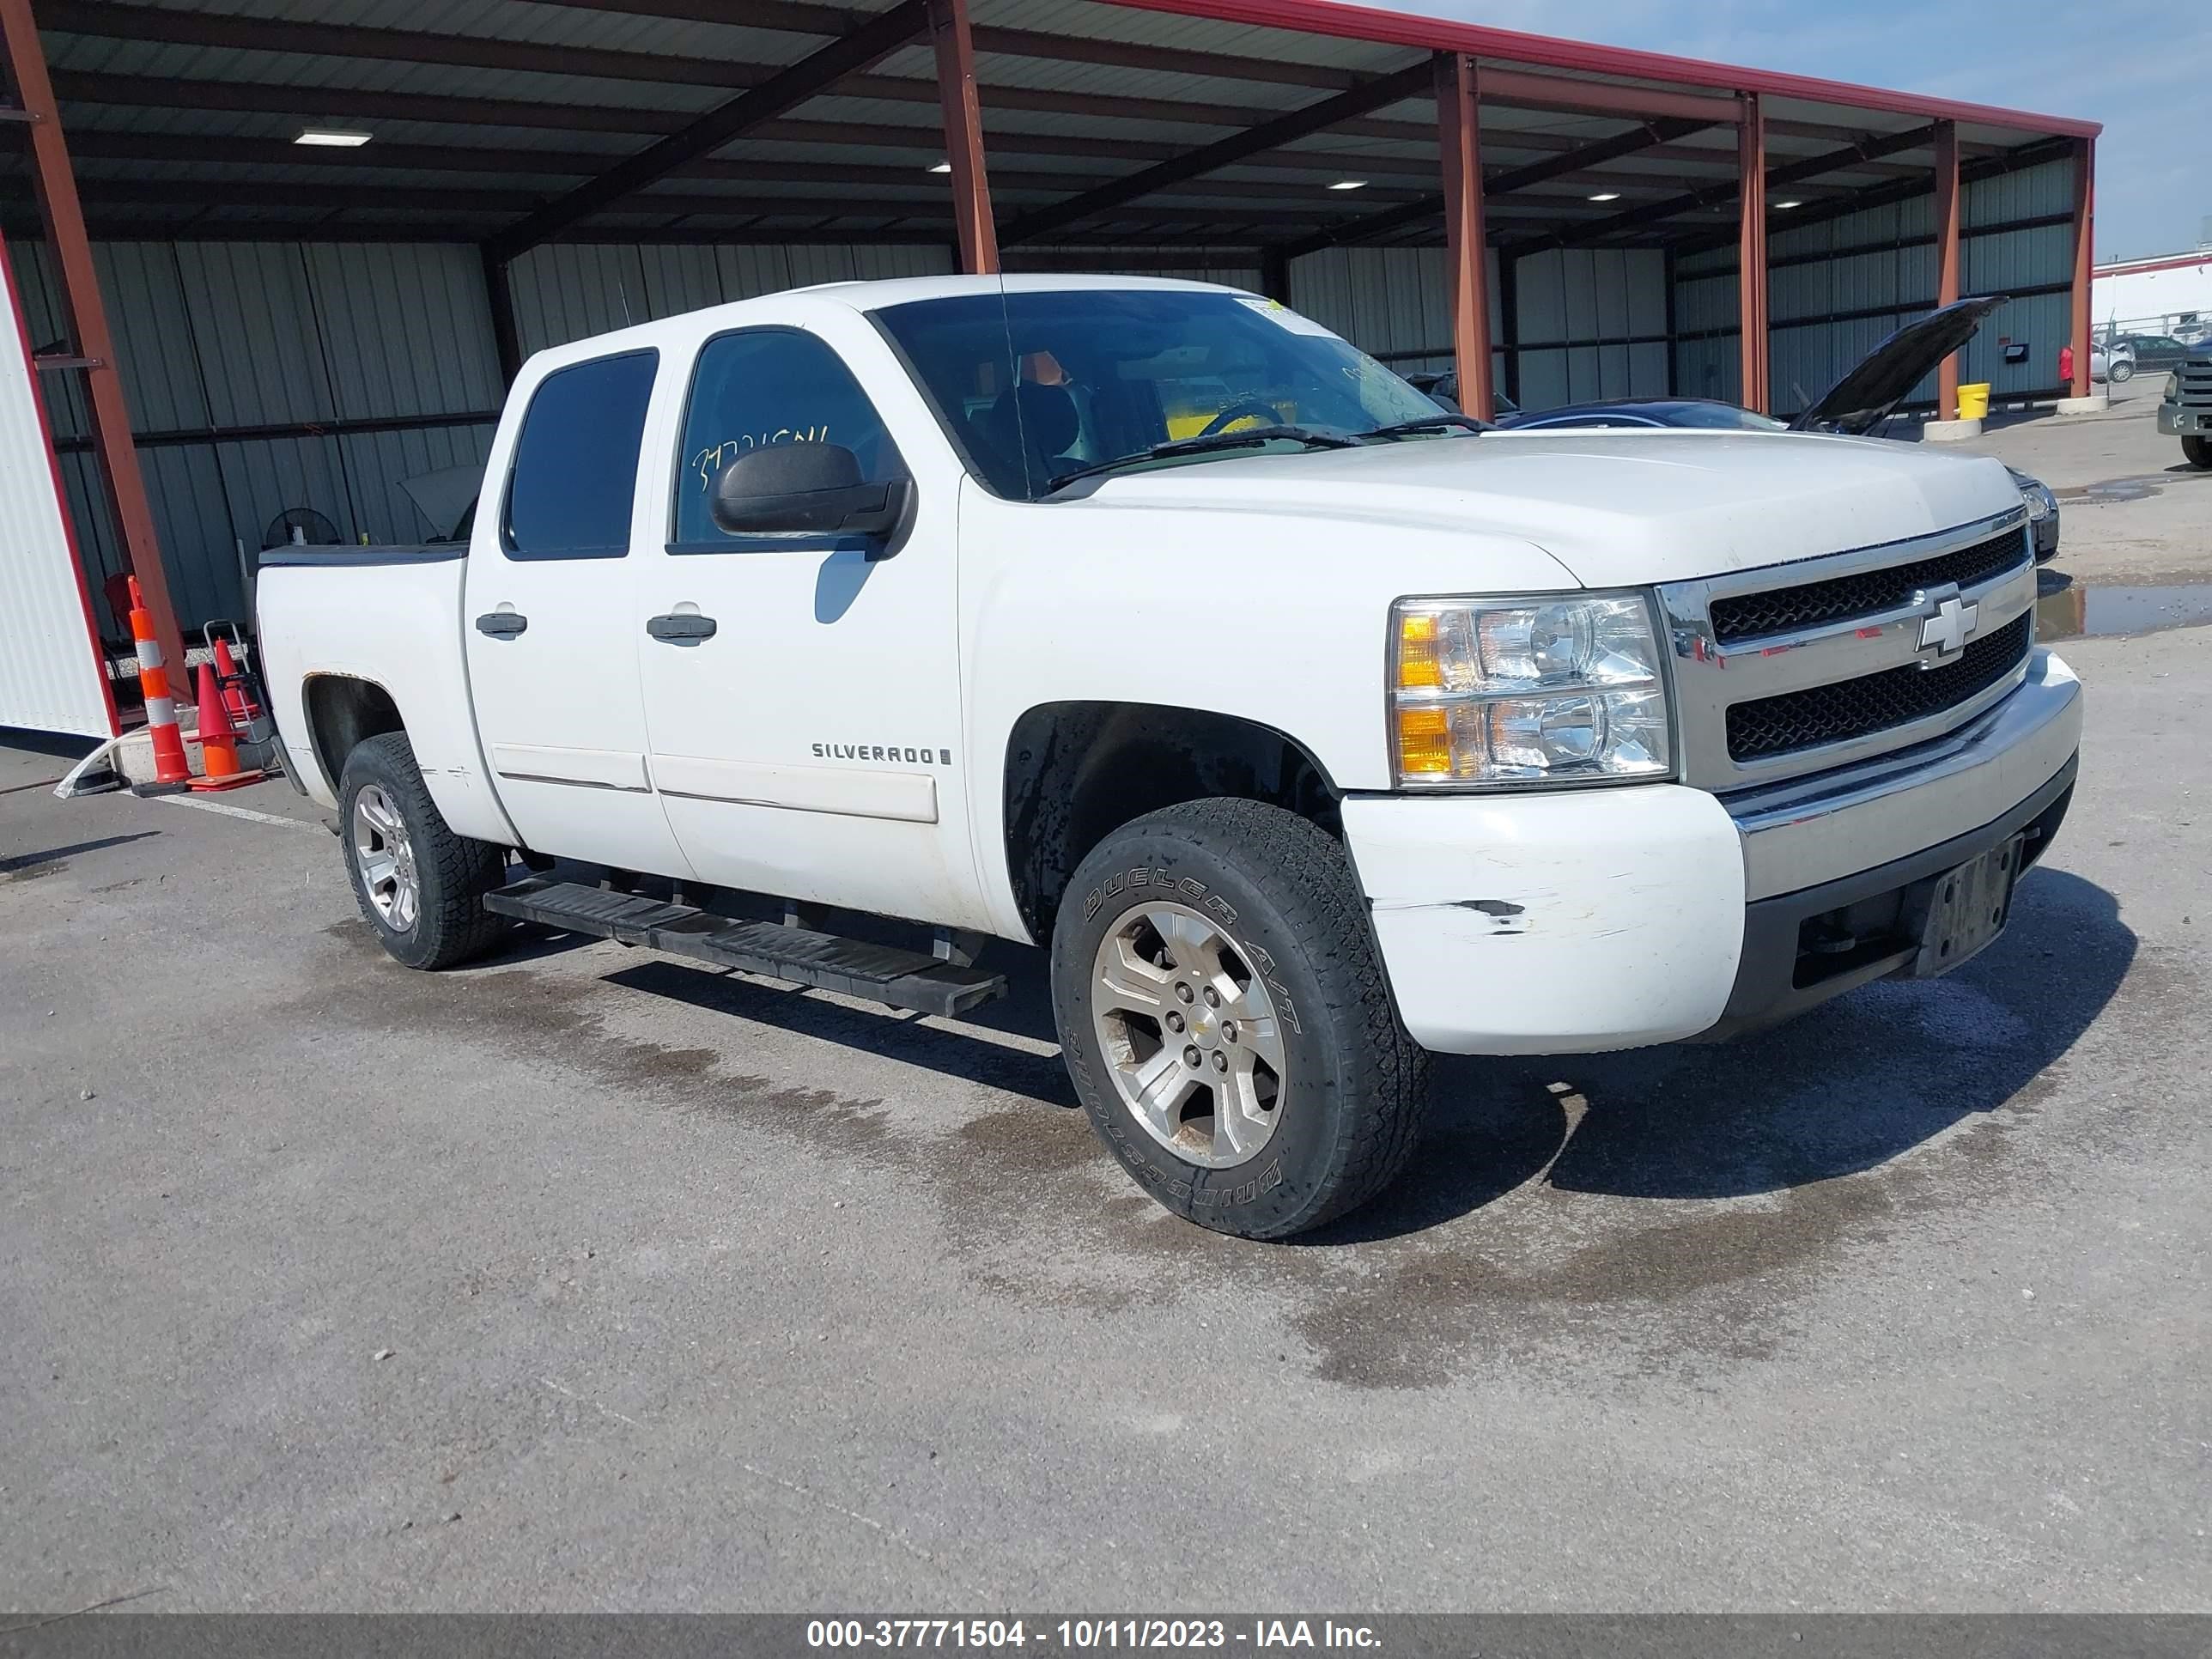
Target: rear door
552, 664
805, 730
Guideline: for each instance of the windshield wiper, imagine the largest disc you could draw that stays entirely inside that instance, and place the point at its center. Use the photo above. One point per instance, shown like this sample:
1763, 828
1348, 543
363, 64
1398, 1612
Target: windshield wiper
1210, 442
1429, 423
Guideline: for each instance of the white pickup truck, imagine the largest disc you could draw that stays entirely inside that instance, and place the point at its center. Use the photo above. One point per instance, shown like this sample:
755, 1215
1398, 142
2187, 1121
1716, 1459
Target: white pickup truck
1310, 728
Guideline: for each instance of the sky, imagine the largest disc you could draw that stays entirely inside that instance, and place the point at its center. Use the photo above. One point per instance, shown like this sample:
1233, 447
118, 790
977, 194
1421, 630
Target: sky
2142, 67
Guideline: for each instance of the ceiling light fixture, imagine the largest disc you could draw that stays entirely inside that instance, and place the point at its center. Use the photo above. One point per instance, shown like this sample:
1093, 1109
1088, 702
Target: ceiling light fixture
332, 137
1606, 196
942, 167
1349, 183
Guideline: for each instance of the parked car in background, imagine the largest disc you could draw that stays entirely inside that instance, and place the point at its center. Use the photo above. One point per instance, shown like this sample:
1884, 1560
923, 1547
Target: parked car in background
1856, 406
2191, 329
2185, 410
2133, 352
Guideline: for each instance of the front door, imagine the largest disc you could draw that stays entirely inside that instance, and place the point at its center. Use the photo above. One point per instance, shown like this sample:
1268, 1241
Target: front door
552, 664
802, 691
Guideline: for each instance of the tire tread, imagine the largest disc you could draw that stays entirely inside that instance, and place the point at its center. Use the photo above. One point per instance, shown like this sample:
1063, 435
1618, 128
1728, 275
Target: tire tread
1382, 1074
457, 871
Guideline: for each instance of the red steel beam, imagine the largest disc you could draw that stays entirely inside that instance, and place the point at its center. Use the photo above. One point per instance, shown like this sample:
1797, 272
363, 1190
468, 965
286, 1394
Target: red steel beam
1750, 252
1540, 91
2085, 236
234, 33
1458, 137
1517, 88
85, 314
1947, 196
978, 233
1345, 20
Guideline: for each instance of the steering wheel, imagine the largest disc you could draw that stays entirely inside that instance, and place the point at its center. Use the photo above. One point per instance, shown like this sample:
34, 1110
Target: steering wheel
1244, 410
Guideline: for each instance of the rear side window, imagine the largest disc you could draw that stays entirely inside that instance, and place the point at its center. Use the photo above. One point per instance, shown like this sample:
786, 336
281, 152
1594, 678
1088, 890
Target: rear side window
576, 465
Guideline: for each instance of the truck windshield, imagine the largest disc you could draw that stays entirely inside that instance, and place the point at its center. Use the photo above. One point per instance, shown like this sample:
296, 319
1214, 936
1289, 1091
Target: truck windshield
1034, 386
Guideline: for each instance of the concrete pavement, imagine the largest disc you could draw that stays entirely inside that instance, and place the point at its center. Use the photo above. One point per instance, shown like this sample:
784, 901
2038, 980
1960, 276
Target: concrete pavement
581, 1279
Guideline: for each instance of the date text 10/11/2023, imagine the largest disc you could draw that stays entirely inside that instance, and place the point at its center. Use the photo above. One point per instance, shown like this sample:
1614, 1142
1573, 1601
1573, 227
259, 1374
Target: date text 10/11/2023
1088, 1635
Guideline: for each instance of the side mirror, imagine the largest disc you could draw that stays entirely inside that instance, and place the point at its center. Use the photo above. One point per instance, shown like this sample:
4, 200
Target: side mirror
806, 488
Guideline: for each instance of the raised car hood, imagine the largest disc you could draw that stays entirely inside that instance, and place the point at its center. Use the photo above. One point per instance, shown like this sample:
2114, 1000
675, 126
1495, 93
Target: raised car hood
1863, 399
1617, 510
442, 496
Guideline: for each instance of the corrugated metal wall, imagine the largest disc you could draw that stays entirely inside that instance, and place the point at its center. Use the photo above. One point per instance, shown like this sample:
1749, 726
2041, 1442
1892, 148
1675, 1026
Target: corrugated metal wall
1231, 267
1839, 287
1593, 324
565, 291
1392, 302
220, 335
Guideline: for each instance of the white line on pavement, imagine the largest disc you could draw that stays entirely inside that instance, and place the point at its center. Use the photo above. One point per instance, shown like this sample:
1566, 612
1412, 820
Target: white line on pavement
230, 811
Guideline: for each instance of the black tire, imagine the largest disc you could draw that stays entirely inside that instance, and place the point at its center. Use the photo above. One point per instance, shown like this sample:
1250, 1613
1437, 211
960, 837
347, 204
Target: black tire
2199, 452
453, 873
1282, 896
2121, 369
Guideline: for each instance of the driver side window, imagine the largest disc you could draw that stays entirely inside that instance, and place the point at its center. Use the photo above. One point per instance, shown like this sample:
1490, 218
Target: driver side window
758, 389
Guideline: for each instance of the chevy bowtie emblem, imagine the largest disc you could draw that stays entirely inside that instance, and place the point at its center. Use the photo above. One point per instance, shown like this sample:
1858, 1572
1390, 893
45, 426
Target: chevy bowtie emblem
1948, 622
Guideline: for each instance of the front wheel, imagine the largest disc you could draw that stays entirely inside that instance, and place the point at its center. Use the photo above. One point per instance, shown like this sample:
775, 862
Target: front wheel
2122, 369
2199, 452
420, 886
1227, 1023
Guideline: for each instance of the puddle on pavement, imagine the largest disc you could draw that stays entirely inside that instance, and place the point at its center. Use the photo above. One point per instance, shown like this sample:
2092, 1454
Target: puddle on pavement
2142, 487
2084, 608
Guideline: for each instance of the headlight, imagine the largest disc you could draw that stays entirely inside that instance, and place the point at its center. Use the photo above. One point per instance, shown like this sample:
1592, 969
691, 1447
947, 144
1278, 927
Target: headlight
1528, 690
2172, 394
2041, 503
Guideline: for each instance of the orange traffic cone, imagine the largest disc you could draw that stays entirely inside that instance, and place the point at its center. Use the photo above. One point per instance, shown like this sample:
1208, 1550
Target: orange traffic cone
237, 696
172, 774
218, 742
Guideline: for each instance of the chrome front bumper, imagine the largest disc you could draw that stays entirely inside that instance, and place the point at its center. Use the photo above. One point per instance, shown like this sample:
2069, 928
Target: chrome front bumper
2182, 421
1813, 830
1571, 921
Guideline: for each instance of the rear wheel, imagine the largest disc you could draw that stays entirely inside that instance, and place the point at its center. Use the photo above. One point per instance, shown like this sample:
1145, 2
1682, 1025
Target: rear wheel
1226, 1020
2199, 451
420, 886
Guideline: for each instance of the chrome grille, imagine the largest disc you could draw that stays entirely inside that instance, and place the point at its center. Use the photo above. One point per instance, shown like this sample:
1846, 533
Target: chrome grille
1783, 609
2196, 383
1875, 702
1794, 669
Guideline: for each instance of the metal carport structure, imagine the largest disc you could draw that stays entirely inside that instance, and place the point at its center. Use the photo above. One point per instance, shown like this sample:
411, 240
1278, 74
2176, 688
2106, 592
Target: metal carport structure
539, 168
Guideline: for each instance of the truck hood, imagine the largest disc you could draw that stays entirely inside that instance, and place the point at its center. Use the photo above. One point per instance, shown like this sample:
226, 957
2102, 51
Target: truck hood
1616, 509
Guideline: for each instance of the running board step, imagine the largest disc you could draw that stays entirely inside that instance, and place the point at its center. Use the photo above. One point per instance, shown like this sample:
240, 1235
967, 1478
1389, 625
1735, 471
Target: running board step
876, 973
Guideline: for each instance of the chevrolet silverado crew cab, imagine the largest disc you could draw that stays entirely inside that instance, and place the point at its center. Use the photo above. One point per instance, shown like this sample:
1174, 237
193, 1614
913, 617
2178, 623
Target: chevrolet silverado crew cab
1309, 727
